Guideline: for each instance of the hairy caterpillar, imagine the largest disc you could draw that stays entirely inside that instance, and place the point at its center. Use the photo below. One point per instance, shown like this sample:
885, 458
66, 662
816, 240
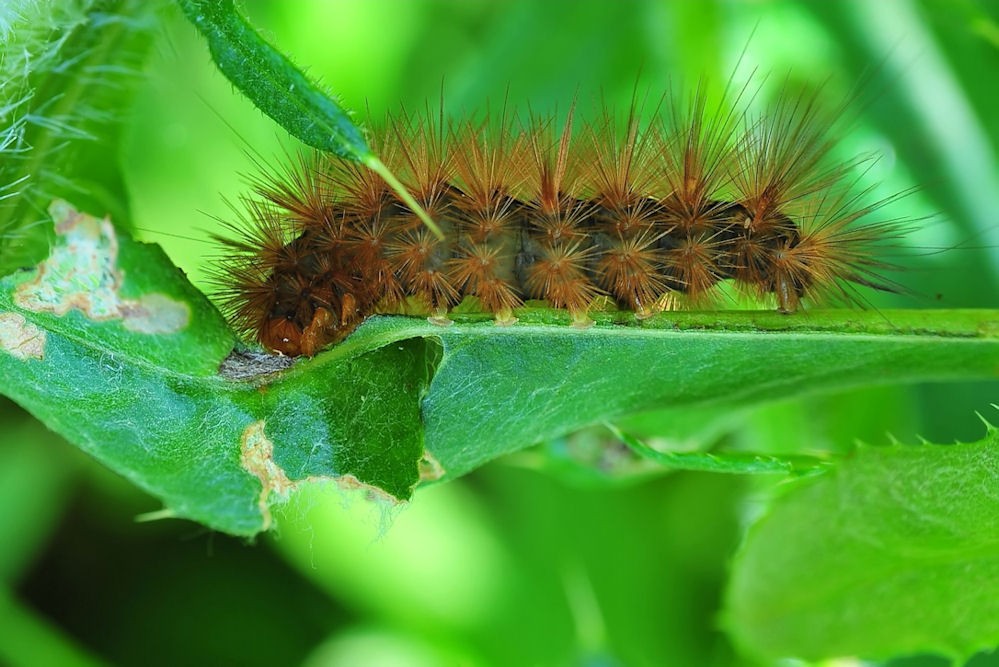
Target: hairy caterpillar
651, 214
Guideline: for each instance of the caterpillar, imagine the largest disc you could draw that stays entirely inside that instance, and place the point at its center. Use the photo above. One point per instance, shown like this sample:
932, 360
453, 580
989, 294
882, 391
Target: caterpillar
651, 214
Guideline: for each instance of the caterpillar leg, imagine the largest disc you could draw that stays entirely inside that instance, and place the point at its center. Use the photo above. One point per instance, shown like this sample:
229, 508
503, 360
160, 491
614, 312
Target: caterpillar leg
788, 299
580, 319
504, 318
439, 318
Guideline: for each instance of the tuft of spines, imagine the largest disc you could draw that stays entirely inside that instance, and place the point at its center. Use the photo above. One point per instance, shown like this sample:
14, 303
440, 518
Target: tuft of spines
652, 215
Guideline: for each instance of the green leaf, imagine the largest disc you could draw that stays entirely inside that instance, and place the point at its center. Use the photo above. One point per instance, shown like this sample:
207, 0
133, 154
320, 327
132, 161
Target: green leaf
894, 552
284, 93
739, 463
109, 345
272, 82
499, 389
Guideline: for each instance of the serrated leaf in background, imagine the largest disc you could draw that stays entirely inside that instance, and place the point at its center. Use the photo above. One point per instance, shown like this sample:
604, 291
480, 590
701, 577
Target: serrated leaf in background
895, 552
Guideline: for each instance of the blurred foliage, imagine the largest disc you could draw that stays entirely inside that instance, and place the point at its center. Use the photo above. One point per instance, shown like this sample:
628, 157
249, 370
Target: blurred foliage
69, 69
510, 565
891, 552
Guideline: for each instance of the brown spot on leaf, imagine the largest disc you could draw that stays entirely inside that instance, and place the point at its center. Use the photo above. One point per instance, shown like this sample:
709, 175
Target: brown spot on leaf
82, 273
349, 482
155, 314
430, 468
257, 458
20, 338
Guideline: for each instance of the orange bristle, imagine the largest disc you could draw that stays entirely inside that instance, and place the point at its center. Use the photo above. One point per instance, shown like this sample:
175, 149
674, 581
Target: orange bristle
630, 271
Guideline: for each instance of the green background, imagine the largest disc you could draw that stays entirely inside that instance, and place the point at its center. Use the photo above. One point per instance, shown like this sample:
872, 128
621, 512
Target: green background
525, 561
